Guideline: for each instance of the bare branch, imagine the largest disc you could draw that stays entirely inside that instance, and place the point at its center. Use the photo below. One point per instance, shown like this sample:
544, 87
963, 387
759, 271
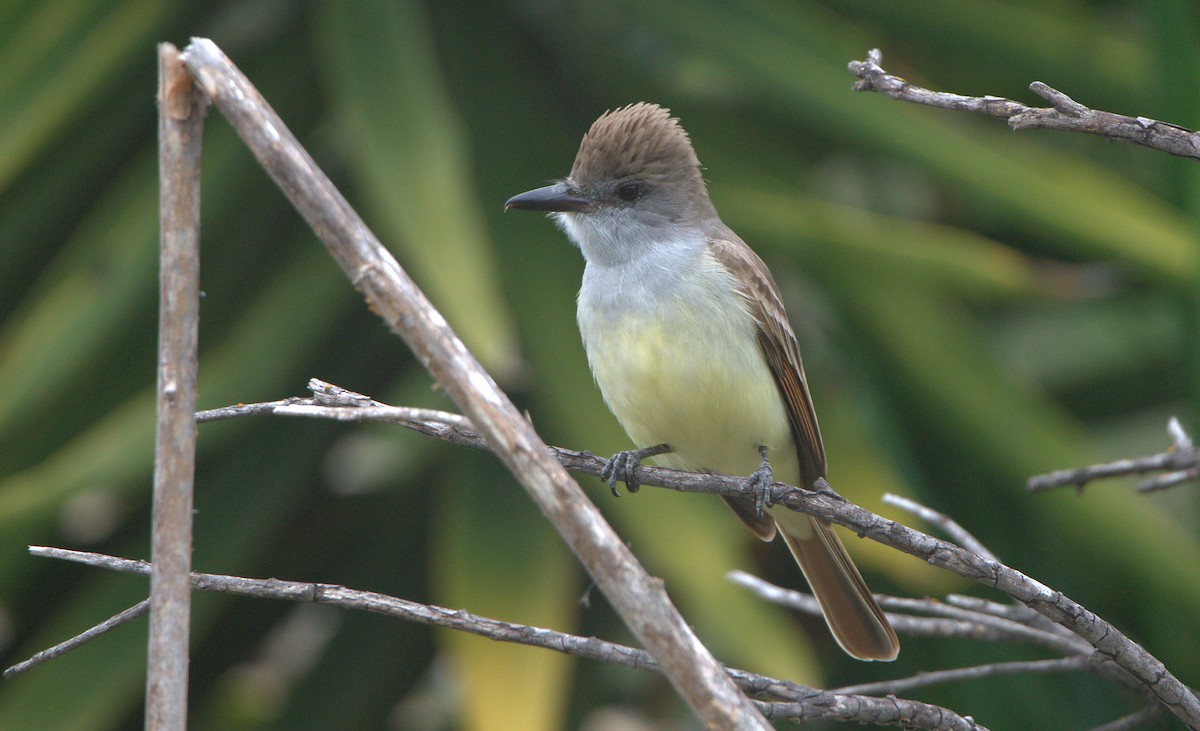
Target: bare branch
1180, 463
1143, 669
1076, 663
180, 127
640, 600
62, 648
1064, 113
800, 701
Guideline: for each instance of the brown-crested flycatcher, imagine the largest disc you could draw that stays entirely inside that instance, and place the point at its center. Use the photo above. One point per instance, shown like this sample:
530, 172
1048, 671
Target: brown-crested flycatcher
689, 342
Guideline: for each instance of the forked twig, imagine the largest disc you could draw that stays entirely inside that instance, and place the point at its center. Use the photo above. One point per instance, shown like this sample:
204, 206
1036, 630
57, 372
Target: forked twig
1064, 113
1179, 464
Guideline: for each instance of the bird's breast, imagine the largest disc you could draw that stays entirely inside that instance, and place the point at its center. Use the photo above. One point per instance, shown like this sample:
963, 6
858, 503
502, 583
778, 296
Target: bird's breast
682, 366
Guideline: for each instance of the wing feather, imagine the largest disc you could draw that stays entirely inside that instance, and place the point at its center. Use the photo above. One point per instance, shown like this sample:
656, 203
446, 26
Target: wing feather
853, 615
779, 347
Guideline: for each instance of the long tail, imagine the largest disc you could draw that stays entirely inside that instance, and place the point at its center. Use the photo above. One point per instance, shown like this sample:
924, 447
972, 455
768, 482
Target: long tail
853, 615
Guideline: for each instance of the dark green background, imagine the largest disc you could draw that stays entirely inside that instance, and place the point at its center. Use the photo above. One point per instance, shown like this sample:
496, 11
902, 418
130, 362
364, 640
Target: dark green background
975, 306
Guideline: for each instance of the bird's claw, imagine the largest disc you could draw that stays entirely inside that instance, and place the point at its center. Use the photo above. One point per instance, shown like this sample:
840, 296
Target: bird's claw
622, 466
759, 483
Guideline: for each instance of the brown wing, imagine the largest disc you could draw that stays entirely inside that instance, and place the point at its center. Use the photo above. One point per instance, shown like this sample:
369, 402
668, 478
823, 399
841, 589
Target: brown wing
779, 345
852, 614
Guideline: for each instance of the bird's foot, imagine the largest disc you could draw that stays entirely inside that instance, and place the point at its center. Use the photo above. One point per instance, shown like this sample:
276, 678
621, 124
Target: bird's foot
759, 482
623, 466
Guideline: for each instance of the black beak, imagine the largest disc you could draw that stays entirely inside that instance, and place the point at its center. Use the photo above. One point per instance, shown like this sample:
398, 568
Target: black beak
557, 197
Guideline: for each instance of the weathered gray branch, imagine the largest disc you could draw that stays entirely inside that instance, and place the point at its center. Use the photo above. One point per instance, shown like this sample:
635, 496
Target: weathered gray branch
123, 617
180, 126
1064, 113
639, 599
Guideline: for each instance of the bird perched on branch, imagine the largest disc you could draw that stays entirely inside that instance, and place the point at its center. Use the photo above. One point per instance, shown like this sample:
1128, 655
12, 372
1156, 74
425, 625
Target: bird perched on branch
691, 347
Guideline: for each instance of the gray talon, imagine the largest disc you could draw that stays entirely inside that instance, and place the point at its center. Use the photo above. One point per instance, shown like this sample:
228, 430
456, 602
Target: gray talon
760, 482
623, 466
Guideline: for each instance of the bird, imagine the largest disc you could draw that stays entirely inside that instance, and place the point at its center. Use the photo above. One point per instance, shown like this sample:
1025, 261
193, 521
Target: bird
690, 345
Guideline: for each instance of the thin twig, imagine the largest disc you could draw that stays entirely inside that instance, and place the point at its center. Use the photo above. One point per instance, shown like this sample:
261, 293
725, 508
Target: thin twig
334, 402
180, 127
1134, 720
1171, 479
798, 700
62, 648
1064, 113
639, 599
1075, 663
1180, 463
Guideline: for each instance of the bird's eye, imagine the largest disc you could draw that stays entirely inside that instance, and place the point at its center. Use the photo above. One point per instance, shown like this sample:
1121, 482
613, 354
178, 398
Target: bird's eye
629, 192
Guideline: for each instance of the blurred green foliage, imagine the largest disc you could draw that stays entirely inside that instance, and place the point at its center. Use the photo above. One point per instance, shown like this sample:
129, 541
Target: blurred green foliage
975, 306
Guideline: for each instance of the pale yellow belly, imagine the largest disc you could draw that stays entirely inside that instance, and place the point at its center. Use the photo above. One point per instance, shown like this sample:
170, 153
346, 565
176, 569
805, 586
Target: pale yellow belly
699, 384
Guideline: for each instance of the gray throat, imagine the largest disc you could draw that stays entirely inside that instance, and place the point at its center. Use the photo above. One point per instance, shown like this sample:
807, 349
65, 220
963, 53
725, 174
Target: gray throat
631, 267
